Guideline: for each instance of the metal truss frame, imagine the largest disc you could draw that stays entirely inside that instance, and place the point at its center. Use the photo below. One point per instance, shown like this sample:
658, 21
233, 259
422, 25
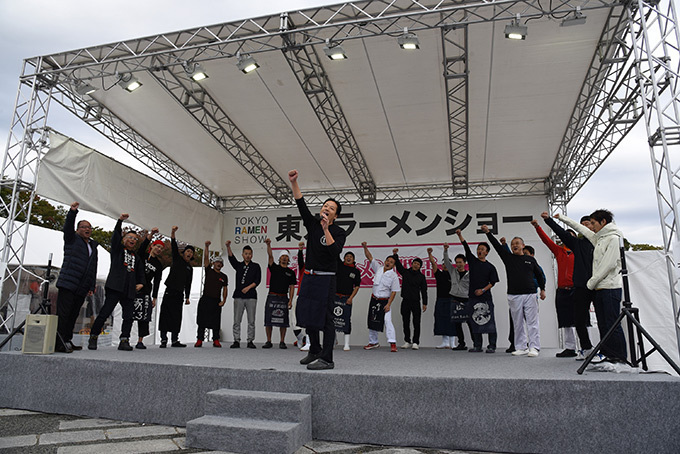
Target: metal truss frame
606, 110
310, 74
208, 113
657, 46
454, 47
402, 194
348, 20
26, 144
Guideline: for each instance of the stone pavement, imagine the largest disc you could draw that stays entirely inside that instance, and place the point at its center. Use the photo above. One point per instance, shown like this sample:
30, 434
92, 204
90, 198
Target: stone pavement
28, 432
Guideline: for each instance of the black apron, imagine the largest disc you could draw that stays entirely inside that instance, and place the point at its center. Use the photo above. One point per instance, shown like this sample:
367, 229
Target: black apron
460, 311
482, 319
442, 318
209, 313
142, 308
342, 315
171, 311
315, 290
276, 311
376, 314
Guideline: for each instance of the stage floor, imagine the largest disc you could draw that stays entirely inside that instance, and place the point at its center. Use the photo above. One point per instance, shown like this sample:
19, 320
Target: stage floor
431, 398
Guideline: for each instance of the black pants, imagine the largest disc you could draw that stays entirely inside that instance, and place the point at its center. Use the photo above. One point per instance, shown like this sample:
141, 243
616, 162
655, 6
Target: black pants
324, 352
582, 299
477, 340
200, 334
460, 334
68, 309
114, 297
409, 307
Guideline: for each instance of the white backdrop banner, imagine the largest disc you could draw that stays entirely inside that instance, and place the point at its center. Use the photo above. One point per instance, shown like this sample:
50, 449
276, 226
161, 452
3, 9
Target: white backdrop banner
70, 172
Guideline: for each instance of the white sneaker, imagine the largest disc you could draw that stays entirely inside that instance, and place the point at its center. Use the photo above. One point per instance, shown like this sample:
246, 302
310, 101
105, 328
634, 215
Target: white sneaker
533, 353
582, 354
407, 345
445, 342
520, 352
346, 348
415, 347
598, 358
305, 348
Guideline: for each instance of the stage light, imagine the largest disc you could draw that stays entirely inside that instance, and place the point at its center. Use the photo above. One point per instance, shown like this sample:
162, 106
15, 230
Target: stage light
334, 51
574, 19
83, 88
128, 82
408, 41
195, 71
516, 31
246, 63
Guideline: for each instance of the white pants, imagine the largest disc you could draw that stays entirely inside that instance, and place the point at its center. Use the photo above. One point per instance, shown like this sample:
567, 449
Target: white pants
389, 331
569, 338
524, 308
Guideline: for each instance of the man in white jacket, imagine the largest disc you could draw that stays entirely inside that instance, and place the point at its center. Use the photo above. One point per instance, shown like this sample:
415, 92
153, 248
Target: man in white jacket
606, 279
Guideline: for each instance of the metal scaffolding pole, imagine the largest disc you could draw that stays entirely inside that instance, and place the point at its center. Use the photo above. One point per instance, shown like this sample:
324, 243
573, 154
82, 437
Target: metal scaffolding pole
654, 28
25, 146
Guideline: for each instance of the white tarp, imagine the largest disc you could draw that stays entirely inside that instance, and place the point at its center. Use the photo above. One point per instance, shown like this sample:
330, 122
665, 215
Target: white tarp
70, 172
650, 292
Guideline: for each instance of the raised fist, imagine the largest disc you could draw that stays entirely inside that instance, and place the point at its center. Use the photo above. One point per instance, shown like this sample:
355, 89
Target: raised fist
301, 245
124, 217
429, 251
154, 231
458, 232
268, 241
364, 244
75, 205
207, 243
395, 250
485, 228
227, 243
174, 228
446, 246
545, 215
293, 175
534, 222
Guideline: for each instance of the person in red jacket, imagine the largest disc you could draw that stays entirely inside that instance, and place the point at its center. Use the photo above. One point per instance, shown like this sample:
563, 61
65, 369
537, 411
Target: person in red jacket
564, 298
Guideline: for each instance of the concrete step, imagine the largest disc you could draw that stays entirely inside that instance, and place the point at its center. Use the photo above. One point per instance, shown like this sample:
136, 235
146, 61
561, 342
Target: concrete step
273, 406
245, 435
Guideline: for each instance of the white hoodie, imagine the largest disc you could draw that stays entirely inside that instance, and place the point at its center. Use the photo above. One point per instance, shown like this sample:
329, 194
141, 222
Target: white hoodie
606, 256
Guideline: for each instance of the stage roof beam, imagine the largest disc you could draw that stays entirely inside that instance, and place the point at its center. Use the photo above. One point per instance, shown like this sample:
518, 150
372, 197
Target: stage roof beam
208, 113
403, 194
454, 46
310, 74
350, 20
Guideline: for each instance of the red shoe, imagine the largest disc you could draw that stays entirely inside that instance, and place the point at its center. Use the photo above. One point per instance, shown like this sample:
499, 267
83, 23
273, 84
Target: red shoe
216, 343
199, 343
393, 347
371, 346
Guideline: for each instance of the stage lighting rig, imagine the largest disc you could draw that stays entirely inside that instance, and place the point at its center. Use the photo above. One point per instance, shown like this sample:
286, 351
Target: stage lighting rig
195, 71
408, 41
574, 19
246, 63
128, 82
83, 88
334, 51
516, 31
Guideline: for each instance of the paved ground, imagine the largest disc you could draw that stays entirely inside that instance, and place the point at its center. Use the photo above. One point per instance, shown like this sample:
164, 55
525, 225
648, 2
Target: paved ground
29, 432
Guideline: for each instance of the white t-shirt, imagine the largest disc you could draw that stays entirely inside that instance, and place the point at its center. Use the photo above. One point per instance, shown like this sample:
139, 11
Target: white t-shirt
384, 282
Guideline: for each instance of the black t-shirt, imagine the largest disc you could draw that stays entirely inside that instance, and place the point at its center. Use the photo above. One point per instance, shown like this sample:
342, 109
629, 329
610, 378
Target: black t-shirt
214, 281
281, 279
443, 279
320, 257
520, 270
181, 272
153, 270
348, 277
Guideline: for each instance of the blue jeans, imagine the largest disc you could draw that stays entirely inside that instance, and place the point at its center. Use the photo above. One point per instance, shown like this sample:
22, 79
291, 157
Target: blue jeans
607, 304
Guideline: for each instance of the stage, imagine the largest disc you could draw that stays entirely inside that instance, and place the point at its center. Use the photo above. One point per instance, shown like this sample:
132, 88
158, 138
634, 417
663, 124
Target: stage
429, 398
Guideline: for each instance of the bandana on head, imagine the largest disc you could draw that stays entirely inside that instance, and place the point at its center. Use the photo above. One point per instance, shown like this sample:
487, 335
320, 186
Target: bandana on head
282, 253
217, 258
158, 242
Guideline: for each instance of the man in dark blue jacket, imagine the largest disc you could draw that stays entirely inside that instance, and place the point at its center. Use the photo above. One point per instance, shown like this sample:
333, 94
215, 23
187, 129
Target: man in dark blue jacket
125, 279
76, 278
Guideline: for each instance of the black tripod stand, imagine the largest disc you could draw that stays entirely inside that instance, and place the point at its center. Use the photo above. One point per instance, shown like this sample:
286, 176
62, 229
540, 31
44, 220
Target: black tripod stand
43, 307
632, 316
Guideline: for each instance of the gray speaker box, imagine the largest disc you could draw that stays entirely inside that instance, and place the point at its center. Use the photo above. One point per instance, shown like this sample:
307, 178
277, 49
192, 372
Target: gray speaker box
40, 334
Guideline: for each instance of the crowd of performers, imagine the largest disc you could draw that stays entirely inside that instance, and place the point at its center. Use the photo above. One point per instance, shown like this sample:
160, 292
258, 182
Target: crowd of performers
587, 254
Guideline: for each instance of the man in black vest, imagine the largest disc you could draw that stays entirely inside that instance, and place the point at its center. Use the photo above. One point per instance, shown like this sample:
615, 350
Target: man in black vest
76, 278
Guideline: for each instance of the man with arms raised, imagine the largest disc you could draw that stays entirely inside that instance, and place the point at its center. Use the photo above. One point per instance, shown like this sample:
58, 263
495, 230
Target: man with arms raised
317, 295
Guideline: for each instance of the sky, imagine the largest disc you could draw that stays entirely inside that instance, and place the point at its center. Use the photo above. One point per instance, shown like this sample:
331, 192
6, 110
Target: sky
623, 184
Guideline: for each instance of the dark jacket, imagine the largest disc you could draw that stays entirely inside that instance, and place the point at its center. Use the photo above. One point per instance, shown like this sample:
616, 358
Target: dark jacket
123, 274
181, 273
79, 270
413, 283
583, 253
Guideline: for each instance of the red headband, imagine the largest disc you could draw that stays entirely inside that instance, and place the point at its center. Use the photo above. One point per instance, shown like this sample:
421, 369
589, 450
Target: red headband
158, 242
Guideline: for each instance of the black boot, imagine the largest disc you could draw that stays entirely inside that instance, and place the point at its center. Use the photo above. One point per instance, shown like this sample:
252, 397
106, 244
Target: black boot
92, 343
125, 345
